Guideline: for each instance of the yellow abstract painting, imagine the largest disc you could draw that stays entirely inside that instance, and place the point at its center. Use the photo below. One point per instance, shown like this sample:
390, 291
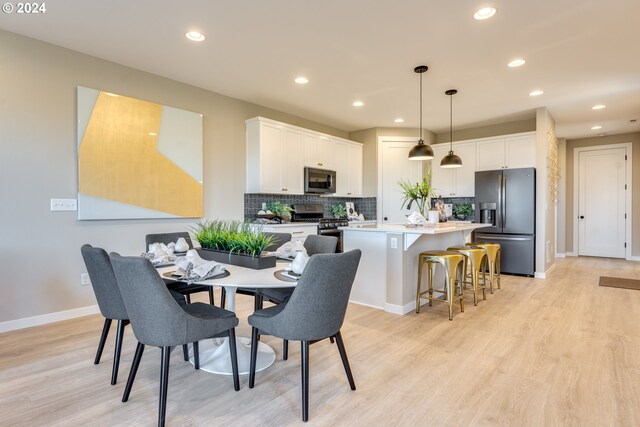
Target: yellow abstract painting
137, 159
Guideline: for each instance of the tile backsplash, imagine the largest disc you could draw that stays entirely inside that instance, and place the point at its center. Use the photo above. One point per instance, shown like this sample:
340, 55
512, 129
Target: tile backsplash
253, 203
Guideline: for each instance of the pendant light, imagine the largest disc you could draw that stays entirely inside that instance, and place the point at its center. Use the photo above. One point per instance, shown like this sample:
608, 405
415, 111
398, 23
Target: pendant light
451, 160
421, 151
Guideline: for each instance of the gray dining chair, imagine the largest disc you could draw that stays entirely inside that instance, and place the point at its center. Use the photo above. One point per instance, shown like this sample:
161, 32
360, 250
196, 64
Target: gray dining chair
279, 239
158, 320
109, 301
314, 244
181, 287
314, 312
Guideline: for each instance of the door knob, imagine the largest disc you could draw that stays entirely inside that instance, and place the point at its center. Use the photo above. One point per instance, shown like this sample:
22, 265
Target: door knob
581, 217
385, 218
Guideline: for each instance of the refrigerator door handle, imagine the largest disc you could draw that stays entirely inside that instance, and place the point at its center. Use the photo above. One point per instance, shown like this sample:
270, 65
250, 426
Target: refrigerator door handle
519, 239
499, 210
504, 198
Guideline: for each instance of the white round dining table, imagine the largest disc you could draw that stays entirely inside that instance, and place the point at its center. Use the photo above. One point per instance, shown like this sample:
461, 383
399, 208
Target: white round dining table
214, 353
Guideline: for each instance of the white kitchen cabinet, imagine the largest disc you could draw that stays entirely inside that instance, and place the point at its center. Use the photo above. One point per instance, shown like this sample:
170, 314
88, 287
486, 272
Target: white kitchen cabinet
507, 152
318, 151
520, 151
347, 161
298, 231
274, 158
454, 182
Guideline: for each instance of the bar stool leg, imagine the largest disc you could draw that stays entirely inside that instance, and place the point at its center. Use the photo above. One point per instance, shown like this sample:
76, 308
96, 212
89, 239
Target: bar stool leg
420, 262
497, 267
460, 274
430, 274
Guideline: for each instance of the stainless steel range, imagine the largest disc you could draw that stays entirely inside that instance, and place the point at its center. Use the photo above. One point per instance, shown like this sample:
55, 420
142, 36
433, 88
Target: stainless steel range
314, 212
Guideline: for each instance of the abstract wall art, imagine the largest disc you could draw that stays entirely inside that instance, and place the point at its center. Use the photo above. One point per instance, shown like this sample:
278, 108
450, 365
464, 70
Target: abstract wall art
137, 159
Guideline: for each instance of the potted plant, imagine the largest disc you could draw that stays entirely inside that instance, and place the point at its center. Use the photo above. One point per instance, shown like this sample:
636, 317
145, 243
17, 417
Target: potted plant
462, 211
338, 210
419, 193
234, 242
281, 210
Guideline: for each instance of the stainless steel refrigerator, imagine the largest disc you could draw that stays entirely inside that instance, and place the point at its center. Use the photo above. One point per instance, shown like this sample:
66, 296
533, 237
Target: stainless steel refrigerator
506, 198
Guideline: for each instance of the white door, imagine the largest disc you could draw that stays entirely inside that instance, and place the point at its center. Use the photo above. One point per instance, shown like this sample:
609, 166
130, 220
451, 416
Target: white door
490, 154
466, 175
354, 156
396, 166
292, 171
341, 164
601, 203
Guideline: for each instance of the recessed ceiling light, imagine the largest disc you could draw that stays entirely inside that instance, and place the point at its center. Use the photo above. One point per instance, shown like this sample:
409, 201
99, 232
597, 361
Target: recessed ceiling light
596, 127
301, 80
536, 92
110, 94
195, 36
399, 120
358, 103
152, 134
484, 13
598, 107
518, 62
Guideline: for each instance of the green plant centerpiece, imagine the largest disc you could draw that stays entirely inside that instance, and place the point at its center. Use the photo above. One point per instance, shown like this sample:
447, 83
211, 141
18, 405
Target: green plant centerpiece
462, 211
234, 242
419, 193
339, 210
281, 210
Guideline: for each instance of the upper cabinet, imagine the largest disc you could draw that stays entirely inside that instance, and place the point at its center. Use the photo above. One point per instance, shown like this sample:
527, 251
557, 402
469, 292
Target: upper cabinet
454, 182
318, 151
503, 152
508, 152
277, 154
274, 156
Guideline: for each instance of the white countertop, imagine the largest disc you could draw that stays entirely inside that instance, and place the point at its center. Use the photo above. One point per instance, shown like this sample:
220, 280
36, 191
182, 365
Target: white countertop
314, 224
401, 228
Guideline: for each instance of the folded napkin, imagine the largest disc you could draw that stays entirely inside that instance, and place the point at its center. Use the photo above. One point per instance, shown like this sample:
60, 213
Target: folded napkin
290, 249
159, 253
192, 268
416, 219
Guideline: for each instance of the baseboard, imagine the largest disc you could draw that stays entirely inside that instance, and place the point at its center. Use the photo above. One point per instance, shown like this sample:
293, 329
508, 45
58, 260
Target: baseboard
562, 255
539, 275
43, 319
400, 309
365, 305
572, 254
633, 258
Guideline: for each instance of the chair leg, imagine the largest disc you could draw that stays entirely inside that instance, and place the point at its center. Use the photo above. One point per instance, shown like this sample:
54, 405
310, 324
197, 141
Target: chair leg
196, 355
345, 360
103, 339
234, 359
331, 340
254, 356
304, 347
164, 383
188, 298
223, 298
258, 302
212, 301
185, 352
285, 349
118, 350
133, 371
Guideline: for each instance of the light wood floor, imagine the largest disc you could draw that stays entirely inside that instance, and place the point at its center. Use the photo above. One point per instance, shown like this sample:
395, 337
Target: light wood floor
560, 351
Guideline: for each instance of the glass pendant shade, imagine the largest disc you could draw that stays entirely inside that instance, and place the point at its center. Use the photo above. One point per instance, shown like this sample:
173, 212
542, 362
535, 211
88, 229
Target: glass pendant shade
451, 160
421, 151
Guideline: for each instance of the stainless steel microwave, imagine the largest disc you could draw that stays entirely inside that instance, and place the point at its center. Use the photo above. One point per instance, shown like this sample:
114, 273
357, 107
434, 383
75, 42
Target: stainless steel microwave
319, 181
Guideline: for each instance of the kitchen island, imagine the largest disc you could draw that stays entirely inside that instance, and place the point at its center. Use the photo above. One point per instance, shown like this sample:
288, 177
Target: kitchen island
388, 271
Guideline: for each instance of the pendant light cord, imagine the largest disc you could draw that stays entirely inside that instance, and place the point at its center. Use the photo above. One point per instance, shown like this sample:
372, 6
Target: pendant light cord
451, 123
421, 140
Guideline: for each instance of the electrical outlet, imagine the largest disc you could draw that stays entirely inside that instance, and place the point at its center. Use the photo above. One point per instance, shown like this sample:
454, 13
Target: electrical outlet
64, 205
84, 279
394, 243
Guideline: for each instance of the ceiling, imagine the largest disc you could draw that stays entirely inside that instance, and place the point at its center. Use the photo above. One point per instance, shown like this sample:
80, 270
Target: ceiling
581, 53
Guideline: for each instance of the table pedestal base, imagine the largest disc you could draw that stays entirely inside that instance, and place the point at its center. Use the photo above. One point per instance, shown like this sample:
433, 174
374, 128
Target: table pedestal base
215, 356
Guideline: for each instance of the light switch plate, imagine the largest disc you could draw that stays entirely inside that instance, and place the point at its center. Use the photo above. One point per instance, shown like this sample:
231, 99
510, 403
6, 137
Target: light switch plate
84, 279
64, 205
